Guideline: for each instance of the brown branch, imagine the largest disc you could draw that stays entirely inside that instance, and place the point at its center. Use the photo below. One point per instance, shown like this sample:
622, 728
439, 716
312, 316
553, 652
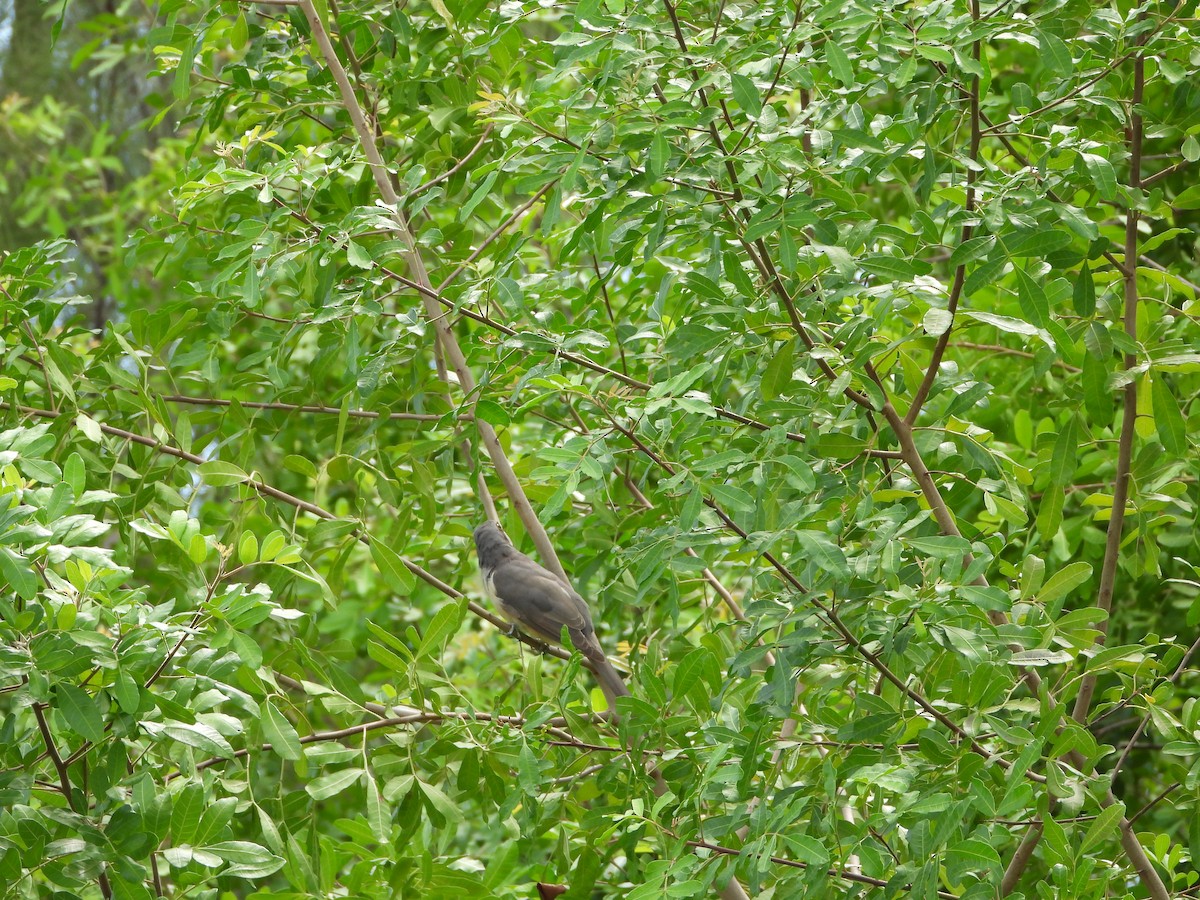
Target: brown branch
968, 229
1136, 854
1157, 800
445, 335
1020, 860
64, 777
1116, 522
1165, 173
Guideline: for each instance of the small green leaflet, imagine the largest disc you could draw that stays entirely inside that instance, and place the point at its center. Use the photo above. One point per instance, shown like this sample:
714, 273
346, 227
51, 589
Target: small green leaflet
392, 568
746, 95
81, 712
839, 63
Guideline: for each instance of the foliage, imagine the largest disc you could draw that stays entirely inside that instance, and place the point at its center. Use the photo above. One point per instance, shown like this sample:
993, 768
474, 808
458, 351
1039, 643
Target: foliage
847, 351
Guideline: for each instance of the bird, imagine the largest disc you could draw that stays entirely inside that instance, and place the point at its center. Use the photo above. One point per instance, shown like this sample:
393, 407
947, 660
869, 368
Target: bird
541, 604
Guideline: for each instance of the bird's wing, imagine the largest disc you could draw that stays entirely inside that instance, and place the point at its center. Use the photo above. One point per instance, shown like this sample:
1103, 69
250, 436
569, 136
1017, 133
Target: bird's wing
537, 600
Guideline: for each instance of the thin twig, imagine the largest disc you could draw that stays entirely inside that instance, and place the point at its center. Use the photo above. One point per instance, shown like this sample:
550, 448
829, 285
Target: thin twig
291, 407
843, 874
453, 170
968, 229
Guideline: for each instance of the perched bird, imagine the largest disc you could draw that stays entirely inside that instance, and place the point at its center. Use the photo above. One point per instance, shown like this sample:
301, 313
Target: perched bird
540, 604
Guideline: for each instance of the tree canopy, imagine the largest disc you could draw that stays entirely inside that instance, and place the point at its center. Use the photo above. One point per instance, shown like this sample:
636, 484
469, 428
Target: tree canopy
843, 355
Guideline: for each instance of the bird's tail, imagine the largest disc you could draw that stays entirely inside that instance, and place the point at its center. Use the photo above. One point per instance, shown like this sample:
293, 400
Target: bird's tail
606, 676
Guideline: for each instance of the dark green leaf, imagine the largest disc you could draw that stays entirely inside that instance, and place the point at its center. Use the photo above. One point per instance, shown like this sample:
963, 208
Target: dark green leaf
80, 710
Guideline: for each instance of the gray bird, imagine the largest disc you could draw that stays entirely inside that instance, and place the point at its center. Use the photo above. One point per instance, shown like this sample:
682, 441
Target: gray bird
540, 604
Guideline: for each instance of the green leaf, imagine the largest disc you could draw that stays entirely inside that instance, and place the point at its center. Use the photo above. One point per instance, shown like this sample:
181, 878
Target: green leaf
1077, 221
440, 802
332, 783
272, 545
67, 614
1097, 397
202, 737
80, 710
279, 732
1103, 176
1065, 456
1190, 148
529, 773
197, 549
777, 376
1055, 54
691, 670
839, 63
248, 549
247, 860
90, 428
1032, 298
42, 470
824, 553
18, 572
186, 812
940, 546
219, 473
75, 474
807, 849
182, 82
395, 574
893, 268
1008, 324
567, 185
492, 413
444, 625
127, 693
1062, 582
378, 814
1188, 198
732, 498
937, 321
1105, 824
975, 248
239, 34
970, 856
357, 256
478, 195
1083, 297
746, 95
1172, 430
660, 153
300, 465
387, 658
1050, 513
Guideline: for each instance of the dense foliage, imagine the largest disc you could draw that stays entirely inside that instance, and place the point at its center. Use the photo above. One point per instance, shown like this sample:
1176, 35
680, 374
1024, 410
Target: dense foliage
846, 351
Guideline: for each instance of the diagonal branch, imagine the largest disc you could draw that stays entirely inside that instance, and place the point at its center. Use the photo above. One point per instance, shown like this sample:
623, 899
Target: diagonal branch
968, 229
1112, 543
445, 335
